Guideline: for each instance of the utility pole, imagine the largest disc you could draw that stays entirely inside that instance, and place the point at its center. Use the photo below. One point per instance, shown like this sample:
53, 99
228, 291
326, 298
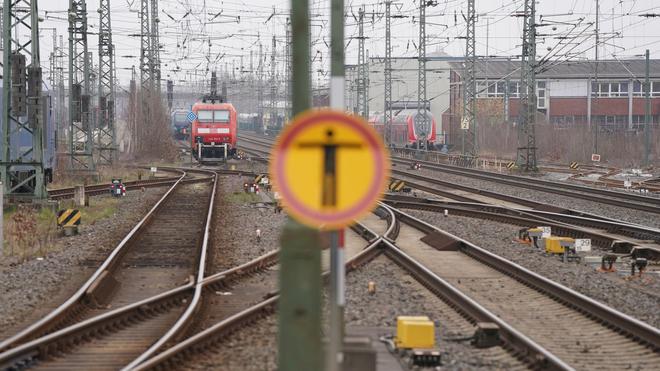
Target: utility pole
273, 87
470, 148
146, 74
299, 308
22, 167
387, 106
260, 90
526, 156
155, 47
361, 80
62, 112
132, 111
106, 96
253, 106
647, 116
421, 120
80, 132
596, 127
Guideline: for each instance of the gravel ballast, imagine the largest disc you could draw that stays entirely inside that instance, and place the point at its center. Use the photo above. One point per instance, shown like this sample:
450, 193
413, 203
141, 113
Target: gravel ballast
638, 298
32, 288
610, 211
234, 238
255, 347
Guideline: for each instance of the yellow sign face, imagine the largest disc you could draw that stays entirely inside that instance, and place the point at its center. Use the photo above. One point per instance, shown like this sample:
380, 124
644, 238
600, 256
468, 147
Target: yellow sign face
330, 168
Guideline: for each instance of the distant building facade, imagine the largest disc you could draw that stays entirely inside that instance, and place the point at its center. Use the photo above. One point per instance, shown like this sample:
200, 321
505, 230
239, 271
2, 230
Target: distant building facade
568, 94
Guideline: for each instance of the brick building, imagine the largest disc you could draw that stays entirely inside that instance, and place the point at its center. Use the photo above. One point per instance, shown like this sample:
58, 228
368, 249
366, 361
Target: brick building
568, 94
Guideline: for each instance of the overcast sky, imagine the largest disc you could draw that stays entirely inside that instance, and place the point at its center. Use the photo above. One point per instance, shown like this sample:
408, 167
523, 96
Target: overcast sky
236, 27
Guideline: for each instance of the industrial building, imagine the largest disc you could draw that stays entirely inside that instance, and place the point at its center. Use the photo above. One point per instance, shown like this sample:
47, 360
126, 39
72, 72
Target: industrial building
609, 94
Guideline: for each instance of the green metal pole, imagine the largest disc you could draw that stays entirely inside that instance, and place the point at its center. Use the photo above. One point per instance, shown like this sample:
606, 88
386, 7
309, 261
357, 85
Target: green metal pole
647, 116
299, 334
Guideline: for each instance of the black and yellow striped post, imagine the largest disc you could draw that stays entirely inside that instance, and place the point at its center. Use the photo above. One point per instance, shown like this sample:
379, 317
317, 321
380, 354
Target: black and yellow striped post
397, 185
511, 165
574, 165
69, 220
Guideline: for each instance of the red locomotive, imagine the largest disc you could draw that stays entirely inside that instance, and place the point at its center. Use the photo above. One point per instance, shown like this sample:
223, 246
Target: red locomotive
214, 128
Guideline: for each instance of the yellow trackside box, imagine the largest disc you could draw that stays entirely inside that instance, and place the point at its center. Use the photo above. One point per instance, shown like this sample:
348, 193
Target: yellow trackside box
414, 332
555, 245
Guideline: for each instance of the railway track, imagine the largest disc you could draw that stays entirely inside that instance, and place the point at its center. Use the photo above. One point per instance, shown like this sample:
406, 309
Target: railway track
616, 198
580, 333
97, 189
118, 338
604, 179
474, 195
523, 332
150, 260
614, 237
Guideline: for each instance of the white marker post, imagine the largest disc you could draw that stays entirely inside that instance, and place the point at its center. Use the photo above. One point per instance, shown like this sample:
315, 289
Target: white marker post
335, 356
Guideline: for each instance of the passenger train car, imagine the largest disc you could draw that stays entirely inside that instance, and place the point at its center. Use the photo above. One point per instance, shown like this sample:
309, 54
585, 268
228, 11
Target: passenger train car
213, 133
407, 130
180, 124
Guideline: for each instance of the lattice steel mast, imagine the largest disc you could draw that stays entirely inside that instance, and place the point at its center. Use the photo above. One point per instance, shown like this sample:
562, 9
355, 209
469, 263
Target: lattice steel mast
80, 130
387, 106
361, 80
22, 168
146, 72
155, 46
107, 145
526, 158
287, 66
470, 147
421, 120
273, 86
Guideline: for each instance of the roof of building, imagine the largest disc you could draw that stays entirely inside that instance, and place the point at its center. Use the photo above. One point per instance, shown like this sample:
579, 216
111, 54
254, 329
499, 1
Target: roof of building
607, 69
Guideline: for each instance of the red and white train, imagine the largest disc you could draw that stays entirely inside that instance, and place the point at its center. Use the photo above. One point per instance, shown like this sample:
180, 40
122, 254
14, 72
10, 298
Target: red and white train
406, 130
213, 131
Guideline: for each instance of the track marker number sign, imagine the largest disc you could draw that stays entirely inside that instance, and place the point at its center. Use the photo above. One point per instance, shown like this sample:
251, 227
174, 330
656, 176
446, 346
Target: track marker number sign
330, 168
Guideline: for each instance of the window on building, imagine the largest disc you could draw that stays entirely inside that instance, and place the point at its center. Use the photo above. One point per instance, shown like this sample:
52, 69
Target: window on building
609, 89
514, 89
490, 89
540, 94
638, 89
655, 89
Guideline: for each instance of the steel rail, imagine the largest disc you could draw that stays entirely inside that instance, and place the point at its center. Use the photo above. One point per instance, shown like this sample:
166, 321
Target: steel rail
242, 318
619, 227
199, 285
627, 324
118, 317
87, 289
534, 354
565, 189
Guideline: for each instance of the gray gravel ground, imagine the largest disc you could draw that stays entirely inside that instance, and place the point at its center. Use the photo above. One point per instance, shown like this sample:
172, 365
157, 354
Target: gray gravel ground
255, 348
629, 215
234, 236
638, 298
30, 289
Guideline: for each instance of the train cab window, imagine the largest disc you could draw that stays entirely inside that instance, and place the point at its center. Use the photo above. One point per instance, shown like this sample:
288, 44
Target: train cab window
180, 117
221, 116
205, 116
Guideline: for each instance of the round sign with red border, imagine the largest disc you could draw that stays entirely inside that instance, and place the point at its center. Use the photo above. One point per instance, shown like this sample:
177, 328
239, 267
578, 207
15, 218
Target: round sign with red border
329, 168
